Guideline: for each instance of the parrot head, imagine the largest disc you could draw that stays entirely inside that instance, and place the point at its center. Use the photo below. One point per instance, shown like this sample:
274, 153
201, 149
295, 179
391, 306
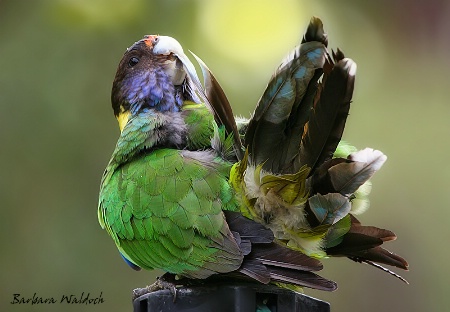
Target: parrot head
154, 73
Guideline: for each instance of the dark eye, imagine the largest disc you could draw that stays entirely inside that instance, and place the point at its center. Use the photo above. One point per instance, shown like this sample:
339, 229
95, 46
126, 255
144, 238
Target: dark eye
133, 61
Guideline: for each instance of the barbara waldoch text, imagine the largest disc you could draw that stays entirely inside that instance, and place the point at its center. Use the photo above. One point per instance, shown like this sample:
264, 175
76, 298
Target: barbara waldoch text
83, 298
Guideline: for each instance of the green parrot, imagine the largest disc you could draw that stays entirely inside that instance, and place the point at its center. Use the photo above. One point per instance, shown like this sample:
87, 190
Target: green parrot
165, 196
196, 192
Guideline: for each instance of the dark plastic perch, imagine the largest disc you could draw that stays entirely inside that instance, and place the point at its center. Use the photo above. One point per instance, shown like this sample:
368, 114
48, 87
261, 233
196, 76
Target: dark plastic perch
229, 298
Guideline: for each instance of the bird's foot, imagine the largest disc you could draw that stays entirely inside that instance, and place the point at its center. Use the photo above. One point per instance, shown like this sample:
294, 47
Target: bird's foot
167, 281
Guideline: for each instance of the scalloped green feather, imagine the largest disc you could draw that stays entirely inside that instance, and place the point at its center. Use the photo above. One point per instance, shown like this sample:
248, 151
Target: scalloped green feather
164, 208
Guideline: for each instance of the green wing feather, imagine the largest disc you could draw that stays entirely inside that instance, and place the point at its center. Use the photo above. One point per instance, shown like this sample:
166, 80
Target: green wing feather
164, 210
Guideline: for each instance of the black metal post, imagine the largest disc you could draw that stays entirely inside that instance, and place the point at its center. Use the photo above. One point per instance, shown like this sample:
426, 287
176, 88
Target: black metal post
229, 298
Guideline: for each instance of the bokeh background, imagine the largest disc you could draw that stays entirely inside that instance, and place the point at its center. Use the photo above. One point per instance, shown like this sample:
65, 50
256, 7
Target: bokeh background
57, 62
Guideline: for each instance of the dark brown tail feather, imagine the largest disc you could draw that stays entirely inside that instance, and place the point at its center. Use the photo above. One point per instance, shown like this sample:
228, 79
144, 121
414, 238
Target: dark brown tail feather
269, 261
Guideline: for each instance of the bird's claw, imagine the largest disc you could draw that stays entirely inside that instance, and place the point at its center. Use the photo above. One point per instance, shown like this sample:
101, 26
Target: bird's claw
164, 282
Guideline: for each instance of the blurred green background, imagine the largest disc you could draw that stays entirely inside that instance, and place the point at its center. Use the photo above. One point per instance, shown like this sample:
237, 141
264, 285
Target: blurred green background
57, 62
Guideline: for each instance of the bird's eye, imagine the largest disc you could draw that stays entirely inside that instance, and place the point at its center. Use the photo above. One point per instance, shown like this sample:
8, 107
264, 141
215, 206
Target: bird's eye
156, 40
133, 61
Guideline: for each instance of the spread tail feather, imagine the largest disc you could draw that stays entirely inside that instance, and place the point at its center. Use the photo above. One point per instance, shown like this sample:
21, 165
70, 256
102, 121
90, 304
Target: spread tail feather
327, 119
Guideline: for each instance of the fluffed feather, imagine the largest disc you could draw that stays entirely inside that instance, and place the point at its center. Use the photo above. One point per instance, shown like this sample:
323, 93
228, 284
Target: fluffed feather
298, 125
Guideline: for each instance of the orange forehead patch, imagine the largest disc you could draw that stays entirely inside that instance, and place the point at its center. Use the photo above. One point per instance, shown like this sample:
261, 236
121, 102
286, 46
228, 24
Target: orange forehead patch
149, 40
